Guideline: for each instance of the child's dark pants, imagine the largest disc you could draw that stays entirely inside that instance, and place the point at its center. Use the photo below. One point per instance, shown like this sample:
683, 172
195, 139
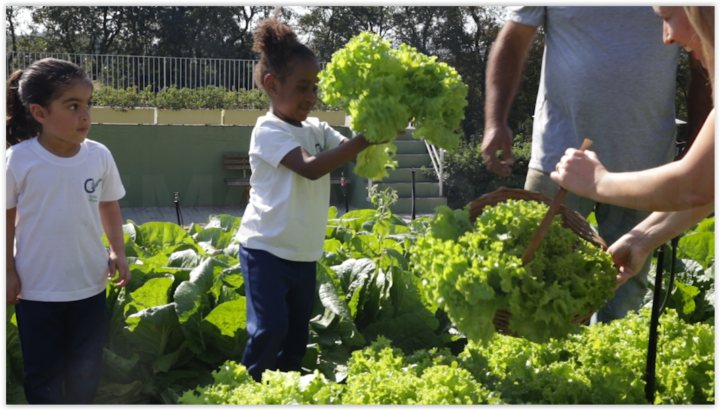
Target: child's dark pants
62, 342
280, 296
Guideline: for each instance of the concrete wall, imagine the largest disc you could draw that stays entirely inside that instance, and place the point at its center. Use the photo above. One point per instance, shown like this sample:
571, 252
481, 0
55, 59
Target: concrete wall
157, 160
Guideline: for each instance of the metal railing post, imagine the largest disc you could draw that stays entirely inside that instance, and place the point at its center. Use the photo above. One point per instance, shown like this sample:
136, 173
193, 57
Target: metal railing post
440, 177
437, 159
412, 192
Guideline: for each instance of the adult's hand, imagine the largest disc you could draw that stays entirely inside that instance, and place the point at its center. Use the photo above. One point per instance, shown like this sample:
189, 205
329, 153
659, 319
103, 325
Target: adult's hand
579, 172
504, 72
12, 289
498, 138
629, 254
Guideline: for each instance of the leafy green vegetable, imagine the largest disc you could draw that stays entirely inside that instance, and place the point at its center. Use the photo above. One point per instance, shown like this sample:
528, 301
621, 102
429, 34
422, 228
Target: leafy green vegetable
183, 315
450, 225
233, 385
604, 364
381, 88
381, 374
480, 272
693, 293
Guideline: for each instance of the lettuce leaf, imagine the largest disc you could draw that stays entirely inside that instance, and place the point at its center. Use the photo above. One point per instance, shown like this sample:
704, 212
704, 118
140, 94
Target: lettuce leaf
381, 88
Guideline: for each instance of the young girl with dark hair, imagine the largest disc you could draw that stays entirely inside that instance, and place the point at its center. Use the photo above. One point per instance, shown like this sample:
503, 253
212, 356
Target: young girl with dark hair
61, 193
283, 229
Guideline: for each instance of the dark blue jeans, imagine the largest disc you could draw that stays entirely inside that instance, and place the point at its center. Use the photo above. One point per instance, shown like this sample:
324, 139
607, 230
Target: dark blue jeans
280, 296
62, 344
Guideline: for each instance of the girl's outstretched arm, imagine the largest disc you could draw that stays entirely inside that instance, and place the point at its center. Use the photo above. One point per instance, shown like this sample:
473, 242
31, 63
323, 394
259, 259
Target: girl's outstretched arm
12, 280
111, 219
315, 166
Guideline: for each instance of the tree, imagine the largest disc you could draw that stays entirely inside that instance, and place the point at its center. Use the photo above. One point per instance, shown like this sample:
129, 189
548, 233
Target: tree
138, 31
461, 37
212, 32
330, 28
10, 23
81, 30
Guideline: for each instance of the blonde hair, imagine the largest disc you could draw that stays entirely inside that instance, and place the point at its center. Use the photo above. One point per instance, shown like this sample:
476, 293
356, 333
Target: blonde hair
702, 19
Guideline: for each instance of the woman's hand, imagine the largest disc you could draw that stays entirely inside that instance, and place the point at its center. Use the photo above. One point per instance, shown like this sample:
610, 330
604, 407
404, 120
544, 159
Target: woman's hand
580, 172
629, 254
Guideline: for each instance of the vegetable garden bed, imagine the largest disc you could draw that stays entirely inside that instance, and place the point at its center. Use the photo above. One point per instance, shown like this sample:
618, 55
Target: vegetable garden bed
176, 332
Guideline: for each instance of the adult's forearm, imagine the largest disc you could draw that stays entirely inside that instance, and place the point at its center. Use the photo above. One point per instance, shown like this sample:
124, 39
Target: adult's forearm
660, 227
678, 186
504, 72
10, 238
663, 189
111, 218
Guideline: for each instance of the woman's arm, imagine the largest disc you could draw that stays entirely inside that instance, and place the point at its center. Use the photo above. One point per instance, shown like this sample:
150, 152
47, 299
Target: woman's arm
678, 186
111, 218
12, 280
630, 251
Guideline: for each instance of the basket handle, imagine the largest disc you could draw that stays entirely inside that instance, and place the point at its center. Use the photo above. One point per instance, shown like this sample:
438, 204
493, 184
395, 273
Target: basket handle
547, 220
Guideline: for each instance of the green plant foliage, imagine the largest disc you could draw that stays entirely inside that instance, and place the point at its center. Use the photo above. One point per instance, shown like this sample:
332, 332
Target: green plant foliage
482, 271
13, 360
123, 100
233, 385
381, 374
201, 98
466, 178
603, 364
693, 292
176, 332
449, 225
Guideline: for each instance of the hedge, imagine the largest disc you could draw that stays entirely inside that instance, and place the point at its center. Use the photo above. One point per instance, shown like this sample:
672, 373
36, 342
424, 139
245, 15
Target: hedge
210, 98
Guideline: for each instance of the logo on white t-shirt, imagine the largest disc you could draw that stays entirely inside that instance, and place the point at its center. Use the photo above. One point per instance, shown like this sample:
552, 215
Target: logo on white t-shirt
90, 186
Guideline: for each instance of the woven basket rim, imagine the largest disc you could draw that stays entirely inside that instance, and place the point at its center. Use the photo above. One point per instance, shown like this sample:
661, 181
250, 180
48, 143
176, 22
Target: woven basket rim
571, 218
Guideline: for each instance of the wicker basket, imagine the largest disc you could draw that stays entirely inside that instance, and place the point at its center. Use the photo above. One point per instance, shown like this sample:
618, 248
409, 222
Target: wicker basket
571, 220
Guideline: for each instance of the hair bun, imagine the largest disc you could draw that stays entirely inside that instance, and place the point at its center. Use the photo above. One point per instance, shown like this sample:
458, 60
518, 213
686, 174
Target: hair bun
278, 46
274, 38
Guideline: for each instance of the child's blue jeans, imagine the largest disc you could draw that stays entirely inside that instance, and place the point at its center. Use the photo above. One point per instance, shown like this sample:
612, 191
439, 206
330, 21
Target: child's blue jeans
280, 297
62, 343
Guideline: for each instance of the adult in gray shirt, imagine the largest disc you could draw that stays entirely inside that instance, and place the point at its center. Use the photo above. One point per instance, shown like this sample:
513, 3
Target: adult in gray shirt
607, 76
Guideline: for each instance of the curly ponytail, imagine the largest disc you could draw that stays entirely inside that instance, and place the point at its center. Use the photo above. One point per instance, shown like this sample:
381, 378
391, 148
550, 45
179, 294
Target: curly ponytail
40, 83
279, 48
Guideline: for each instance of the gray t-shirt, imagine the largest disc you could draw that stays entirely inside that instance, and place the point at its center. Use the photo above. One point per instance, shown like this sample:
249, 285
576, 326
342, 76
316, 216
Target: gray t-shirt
607, 76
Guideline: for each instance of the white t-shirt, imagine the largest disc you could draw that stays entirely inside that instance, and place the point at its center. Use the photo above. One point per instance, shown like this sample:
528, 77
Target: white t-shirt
60, 256
287, 213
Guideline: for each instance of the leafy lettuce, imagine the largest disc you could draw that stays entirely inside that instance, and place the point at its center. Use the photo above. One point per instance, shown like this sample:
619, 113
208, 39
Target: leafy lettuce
480, 272
381, 88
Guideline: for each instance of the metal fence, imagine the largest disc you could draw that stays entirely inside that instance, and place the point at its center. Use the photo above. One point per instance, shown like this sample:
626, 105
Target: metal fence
119, 71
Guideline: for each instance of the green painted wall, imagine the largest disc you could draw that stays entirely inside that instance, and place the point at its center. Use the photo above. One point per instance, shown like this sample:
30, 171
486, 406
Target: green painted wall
157, 160
357, 191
